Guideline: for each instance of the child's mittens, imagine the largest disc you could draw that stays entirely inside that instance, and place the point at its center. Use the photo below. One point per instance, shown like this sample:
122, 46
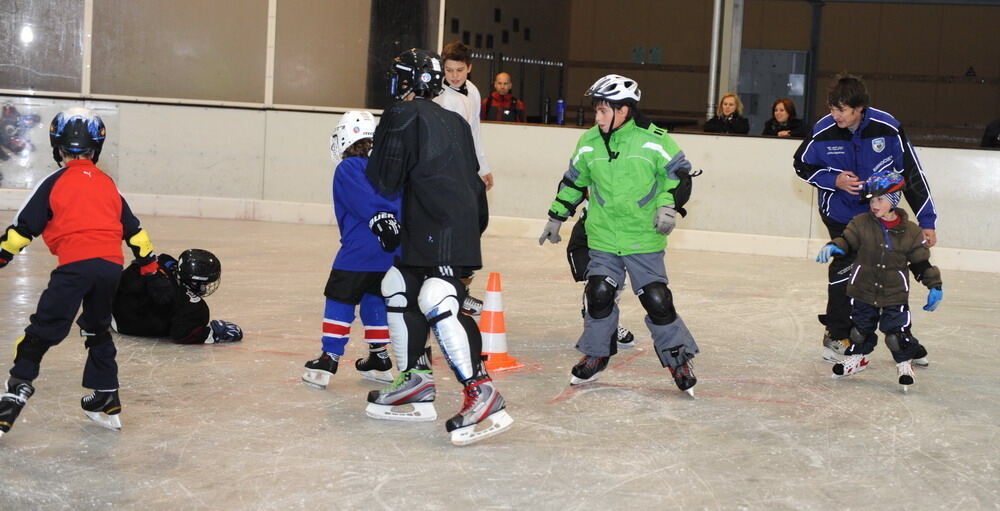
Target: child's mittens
934, 299
827, 252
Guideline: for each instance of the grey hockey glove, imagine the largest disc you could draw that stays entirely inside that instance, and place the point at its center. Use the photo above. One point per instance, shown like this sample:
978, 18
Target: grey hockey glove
664, 221
551, 232
385, 226
224, 331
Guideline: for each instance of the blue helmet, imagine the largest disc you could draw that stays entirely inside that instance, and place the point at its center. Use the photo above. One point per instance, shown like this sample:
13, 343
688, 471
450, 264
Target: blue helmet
76, 131
883, 183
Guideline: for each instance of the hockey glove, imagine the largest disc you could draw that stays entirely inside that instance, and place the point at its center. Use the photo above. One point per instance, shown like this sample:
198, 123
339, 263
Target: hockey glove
827, 252
224, 331
551, 232
386, 228
664, 221
934, 299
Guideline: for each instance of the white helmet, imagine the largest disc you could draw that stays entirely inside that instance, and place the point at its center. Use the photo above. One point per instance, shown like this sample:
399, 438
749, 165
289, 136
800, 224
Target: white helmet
615, 89
354, 125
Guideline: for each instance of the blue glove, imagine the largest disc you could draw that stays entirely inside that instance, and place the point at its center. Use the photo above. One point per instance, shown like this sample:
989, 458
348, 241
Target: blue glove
934, 299
828, 251
224, 331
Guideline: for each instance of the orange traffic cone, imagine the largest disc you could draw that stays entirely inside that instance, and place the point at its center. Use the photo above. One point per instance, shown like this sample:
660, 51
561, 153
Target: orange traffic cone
494, 331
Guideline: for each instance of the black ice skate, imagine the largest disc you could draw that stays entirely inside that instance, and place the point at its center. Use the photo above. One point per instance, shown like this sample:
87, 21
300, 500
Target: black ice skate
376, 366
103, 407
483, 414
905, 371
12, 402
587, 369
472, 306
624, 338
684, 377
319, 371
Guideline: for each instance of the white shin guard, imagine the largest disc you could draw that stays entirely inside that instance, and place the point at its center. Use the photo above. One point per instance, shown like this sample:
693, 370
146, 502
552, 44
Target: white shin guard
438, 302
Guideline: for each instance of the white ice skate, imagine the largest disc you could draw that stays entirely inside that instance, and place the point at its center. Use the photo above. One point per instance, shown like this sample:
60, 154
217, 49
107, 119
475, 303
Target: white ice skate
409, 398
905, 371
852, 364
103, 407
833, 349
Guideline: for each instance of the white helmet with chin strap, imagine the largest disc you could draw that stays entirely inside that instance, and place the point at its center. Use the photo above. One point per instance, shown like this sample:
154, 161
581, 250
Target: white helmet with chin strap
615, 89
354, 125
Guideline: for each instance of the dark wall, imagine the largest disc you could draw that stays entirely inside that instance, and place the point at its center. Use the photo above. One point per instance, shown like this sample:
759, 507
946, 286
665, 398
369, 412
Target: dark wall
396, 25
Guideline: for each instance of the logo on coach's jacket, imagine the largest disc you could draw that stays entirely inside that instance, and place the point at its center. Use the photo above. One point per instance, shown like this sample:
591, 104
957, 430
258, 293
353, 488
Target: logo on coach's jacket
878, 144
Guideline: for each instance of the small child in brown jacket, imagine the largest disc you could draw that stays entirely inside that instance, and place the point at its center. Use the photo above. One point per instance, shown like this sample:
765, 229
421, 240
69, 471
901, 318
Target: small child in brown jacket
886, 243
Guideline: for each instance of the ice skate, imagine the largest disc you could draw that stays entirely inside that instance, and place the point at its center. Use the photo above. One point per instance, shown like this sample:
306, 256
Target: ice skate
587, 369
905, 371
624, 338
472, 306
684, 377
921, 359
833, 349
319, 371
850, 365
483, 414
103, 407
376, 366
409, 398
12, 402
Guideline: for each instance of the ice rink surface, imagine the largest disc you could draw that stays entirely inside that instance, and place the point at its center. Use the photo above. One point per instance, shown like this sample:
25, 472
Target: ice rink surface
232, 426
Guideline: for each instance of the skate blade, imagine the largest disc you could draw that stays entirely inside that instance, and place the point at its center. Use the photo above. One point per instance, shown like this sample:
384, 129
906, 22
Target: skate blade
412, 412
920, 362
379, 376
690, 391
831, 356
490, 426
574, 381
626, 345
105, 420
318, 379
904, 388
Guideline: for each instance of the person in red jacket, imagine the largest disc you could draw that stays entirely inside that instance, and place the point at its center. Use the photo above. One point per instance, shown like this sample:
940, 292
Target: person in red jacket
83, 219
501, 105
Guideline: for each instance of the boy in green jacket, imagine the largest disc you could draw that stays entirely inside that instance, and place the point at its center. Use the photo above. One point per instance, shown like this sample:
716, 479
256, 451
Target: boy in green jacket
630, 168
885, 243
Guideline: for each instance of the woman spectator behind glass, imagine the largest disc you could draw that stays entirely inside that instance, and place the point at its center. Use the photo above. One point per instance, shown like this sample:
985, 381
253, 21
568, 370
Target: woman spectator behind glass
729, 117
783, 122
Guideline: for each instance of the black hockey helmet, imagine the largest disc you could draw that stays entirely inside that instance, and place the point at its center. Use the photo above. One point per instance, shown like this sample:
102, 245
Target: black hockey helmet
418, 71
76, 131
199, 271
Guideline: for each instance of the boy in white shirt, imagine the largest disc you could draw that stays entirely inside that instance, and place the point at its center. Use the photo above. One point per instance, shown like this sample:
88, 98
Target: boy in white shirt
462, 97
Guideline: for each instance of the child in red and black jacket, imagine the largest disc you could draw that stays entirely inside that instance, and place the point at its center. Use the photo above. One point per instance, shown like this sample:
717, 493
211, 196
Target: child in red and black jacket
83, 219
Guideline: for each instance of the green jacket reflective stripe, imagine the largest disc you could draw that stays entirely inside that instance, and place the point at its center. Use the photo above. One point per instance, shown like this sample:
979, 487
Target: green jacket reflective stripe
625, 191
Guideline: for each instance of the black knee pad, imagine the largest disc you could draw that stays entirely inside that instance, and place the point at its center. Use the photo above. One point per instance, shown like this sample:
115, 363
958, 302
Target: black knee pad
31, 348
658, 301
859, 337
902, 342
600, 293
94, 340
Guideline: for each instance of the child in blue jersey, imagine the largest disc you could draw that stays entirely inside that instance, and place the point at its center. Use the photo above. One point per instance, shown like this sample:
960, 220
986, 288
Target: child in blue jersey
369, 241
